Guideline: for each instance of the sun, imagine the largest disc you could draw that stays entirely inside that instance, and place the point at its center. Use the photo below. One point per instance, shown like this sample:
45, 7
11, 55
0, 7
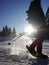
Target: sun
29, 29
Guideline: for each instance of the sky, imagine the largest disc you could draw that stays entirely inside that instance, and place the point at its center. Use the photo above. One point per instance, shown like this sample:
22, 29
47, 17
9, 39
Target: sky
13, 13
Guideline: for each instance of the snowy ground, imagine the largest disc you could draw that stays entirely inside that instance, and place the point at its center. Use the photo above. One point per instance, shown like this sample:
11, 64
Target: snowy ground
15, 54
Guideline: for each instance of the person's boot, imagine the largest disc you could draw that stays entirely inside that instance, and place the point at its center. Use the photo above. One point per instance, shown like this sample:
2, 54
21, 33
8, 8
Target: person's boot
40, 55
31, 50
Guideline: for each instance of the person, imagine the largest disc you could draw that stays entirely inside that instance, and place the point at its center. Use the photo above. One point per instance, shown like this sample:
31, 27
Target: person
38, 43
37, 19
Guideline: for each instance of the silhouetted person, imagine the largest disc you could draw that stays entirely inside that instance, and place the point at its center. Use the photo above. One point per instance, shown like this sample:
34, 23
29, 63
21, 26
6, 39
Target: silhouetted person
37, 19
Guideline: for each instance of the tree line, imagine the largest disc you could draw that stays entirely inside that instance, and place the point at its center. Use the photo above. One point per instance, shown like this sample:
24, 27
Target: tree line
7, 32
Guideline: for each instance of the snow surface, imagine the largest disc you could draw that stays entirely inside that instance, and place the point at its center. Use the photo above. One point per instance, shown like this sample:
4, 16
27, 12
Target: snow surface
15, 54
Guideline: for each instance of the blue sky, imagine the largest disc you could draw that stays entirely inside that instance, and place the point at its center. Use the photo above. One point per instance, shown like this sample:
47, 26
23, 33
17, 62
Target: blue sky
13, 13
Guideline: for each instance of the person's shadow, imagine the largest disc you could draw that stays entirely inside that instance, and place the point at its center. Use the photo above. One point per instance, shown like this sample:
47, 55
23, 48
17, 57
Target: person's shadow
40, 61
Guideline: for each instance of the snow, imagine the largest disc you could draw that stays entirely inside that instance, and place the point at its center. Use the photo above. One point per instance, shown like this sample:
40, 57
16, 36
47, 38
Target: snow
5, 38
15, 54
46, 47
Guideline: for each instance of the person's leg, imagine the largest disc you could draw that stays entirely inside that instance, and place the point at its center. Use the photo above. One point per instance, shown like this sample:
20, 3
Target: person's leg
37, 43
39, 49
33, 45
39, 46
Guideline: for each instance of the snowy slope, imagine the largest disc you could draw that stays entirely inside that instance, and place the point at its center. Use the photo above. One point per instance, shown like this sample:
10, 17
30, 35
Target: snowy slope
15, 54
45, 49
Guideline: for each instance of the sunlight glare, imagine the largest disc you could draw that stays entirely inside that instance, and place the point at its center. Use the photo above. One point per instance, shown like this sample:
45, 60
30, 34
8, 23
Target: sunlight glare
29, 29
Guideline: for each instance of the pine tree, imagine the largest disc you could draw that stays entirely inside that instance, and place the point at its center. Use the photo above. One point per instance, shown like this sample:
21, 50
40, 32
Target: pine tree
36, 18
47, 24
9, 31
6, 30
14, 32
0, 33
47, 17
3, 31
35, 14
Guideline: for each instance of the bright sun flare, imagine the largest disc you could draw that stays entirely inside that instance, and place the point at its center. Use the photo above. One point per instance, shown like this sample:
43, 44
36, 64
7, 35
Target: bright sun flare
29, 29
